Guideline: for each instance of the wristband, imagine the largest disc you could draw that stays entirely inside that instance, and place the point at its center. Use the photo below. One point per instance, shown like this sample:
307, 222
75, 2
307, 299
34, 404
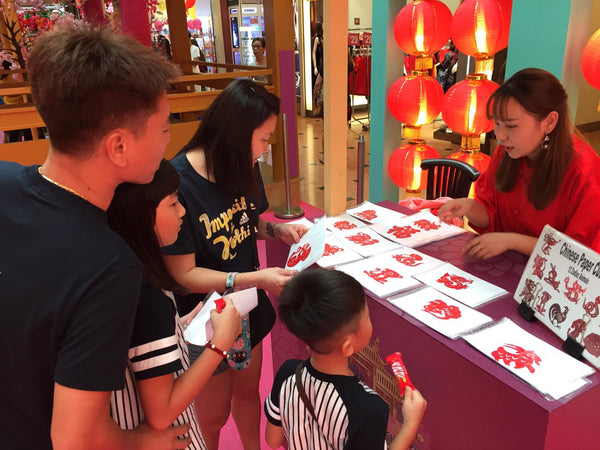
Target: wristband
214, 348
230, 280
271, 229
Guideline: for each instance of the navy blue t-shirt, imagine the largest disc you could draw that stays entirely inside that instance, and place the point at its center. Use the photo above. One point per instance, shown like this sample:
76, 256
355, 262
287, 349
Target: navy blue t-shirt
69, 287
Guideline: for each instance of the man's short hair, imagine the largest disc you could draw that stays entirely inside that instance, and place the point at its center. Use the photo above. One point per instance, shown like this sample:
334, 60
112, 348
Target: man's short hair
87, 81
320, 306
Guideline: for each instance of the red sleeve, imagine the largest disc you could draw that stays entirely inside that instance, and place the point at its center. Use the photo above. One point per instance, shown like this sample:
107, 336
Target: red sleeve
485, 190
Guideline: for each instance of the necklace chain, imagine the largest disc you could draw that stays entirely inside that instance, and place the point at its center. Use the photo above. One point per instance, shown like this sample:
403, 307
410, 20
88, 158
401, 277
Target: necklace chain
68, 189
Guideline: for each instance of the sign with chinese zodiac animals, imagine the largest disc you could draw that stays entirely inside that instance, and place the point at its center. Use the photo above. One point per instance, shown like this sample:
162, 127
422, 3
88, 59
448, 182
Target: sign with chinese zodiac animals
561, 284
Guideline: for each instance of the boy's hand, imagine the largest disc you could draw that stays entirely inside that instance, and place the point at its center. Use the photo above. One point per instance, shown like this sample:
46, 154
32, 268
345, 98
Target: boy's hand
227, 325
413, 407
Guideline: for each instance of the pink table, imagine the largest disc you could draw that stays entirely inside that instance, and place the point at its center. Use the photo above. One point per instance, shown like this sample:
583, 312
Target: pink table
473, 403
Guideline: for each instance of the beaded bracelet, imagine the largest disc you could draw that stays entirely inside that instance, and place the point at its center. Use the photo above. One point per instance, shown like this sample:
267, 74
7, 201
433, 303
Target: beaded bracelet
230, 280
214, 348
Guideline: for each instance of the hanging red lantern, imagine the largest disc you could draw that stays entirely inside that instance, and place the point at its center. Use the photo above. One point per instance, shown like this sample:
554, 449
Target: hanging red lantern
422, 27
590, 60
415, 99
404, 165
464, 109
189, 3
480, 28
479, 160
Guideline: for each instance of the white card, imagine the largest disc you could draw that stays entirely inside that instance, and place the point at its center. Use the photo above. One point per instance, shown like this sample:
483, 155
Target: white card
343, 222
305, 253
302, 221
372, 213
200, 329
365, 241
440, 312
377, 278
411, 261
417, 229
544, 367
336, 252
561, 283
461, 285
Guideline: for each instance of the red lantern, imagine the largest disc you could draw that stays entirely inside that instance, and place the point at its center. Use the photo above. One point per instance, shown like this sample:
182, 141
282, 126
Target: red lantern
423, 27
479, 160
404, 165
464, 108
415, 99
480, 28
189, 3
590, 60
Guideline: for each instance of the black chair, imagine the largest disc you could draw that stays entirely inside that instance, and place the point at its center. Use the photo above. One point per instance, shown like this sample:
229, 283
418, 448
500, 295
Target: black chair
448, 177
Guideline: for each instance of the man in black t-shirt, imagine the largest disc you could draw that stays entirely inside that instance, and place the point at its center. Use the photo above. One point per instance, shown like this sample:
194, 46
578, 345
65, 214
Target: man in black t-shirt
69, 285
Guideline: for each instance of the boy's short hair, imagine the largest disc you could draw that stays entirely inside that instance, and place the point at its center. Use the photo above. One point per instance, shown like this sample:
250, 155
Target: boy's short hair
87, 81
320, 306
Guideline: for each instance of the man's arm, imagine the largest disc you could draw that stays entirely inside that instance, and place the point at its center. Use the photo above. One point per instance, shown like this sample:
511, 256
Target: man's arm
81, 419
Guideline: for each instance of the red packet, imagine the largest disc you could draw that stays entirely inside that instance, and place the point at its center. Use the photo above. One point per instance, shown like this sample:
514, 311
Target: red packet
399, 369
219, 304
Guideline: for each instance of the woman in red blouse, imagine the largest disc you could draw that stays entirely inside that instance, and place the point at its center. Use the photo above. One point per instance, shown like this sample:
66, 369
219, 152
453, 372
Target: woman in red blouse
541, 172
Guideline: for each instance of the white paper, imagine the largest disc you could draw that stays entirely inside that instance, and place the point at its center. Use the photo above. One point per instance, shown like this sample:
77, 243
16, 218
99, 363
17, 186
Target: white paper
302, 221
440, 312
412, 262
417, 229
372, 213
343, 222
561, 283
336, 252
200, 329
378, 278
365, 241
309, 249
547, 369
461, 285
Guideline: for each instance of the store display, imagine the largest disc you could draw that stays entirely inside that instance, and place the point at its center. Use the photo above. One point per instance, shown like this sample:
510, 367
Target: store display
547, 369
460, 285
440, 312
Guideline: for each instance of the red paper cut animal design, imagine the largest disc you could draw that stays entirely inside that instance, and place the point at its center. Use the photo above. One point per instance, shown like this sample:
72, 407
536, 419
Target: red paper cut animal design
552, 279
427, 225
517, 356
382, 275
539, 265
557, 316
367, 214
409, 260
572, 293
454, 281
549, 242
403, 232
300, 254
577, 327
331, 249
591, 307
344, 225
541, 303
441, 310
362, 239
592, 344
529, 291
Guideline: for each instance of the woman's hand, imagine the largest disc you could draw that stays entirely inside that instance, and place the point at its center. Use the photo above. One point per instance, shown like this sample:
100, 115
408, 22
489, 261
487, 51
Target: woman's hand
227, 325
289, 233
488, 245
273, 279
455, 208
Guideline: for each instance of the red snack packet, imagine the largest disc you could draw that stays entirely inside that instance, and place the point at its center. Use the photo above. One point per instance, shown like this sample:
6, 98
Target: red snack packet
399, 369
219, 304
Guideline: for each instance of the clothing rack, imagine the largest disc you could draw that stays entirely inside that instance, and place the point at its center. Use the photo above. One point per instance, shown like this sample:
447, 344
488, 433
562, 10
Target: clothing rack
359, 79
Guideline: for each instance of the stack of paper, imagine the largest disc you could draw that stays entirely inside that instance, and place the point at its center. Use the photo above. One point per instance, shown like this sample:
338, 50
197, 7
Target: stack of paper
417, 229
372, 213
440, 312
461, 285
410, 261
547, 369
336, 252
365, 241
343, 222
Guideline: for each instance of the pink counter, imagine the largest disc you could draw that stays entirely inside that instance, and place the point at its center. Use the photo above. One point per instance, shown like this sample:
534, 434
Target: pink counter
473, 403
